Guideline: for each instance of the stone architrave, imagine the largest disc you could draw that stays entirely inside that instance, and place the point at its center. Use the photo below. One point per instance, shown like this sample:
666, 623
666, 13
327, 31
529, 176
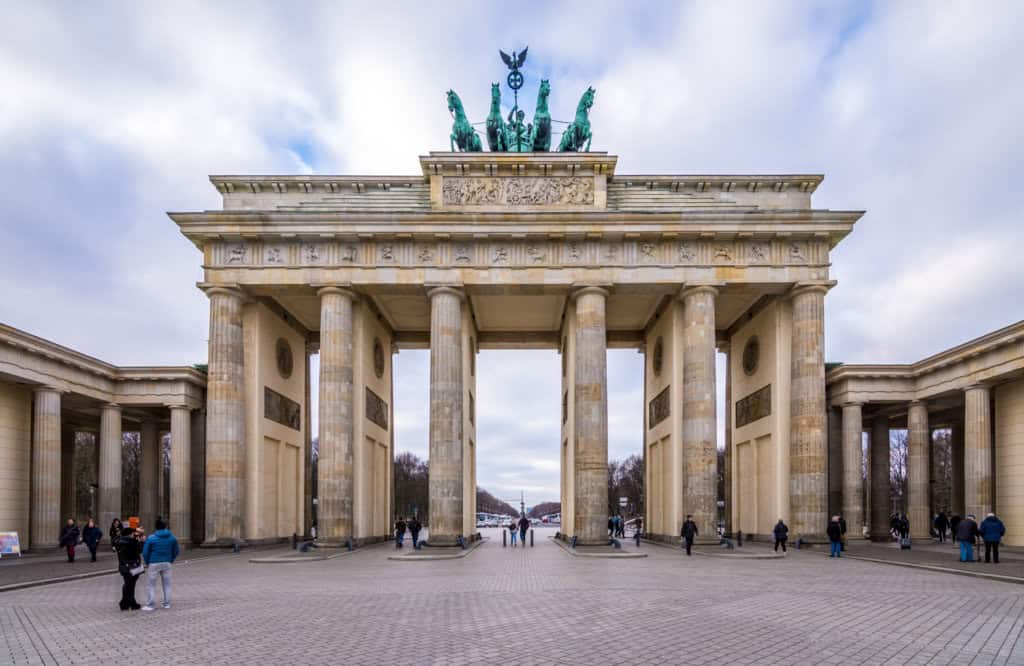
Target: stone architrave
853, 482
149, 470
918, 476
977, 451
46, 469
700, 457
880, 474
335, 519
591, 418
181, 473
808, 446
108, 496
225, 419
446, 416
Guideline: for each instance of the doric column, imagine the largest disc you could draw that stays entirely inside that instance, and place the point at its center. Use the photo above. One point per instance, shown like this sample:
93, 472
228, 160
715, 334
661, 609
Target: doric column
853, 482
590, 457
918, 476
808, 447
700, 459
149, 469
335, 504
45, 514
307, 468
446, 404
957, 455
181, 473
225, 419
727, 461
68, 504
880, 489
108, 498
977, 451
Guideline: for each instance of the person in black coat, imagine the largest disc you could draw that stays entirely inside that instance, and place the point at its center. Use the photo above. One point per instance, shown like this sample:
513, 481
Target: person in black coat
414, 530
941, 523
115, 533
92, 536
69, 538
129, 557
688, 531
835, 537
781, 534
966, 533
399, 531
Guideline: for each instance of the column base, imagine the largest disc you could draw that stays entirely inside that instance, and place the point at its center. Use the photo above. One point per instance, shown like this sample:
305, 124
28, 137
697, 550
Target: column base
224, 543
335, 543
443, 542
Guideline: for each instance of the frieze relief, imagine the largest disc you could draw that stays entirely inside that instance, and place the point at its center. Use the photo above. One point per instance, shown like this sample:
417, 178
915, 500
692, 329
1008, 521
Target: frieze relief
516, 253
523, 191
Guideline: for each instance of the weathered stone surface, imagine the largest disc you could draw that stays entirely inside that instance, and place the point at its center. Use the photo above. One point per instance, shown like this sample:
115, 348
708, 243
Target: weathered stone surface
181, 473
919, 446
591, 418
881, 506
700, 460
108, 495
46, 468
853, 482
978, 451
446, 416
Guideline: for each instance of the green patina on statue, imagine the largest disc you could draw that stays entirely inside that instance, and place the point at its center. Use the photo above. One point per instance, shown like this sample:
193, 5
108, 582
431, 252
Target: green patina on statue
513, 135
579, 130
463, 135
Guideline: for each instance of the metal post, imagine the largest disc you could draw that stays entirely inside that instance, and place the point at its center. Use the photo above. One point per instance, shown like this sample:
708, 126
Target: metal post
531, 537
504, 538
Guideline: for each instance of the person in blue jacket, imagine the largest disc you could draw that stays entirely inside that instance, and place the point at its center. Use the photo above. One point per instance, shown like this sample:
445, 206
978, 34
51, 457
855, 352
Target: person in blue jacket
159, 552
992, 531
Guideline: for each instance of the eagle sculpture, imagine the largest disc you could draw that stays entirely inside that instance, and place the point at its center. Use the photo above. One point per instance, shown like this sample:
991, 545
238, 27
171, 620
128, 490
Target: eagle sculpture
513, 61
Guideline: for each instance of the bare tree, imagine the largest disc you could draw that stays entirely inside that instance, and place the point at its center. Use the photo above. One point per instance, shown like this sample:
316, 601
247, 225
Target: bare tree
898, 452
626, 479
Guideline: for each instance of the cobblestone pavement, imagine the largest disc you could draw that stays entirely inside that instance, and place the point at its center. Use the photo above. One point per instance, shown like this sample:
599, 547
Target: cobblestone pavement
526, 605
947, 555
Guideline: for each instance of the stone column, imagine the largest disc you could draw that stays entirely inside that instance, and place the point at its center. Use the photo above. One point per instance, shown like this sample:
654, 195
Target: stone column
853, 482
307, 457
700, 460
918, 473
335, 503
46, 520
727, 461
446, 417
225, 419
181, 473
977, 451
108, 496
957, 463
590, 456
68, 504
149, 470
808, 448
198, 436
881, 498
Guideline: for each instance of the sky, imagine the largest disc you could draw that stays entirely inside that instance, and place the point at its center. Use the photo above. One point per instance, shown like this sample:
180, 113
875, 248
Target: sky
113, 113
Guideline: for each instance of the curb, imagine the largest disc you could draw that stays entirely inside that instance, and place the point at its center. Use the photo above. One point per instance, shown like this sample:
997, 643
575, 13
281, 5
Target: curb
299, 558
930, 567
701, 551
431, 558
609, 555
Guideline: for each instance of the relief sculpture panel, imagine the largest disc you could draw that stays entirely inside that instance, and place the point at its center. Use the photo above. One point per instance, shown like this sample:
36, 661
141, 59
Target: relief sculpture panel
755, 406
525, 191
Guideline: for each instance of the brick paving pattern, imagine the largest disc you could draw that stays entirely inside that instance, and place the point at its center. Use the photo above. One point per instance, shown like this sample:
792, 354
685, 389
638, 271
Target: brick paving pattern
527, 606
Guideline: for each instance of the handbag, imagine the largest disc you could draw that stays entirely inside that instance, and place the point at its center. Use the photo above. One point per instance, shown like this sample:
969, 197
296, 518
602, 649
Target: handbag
137, 571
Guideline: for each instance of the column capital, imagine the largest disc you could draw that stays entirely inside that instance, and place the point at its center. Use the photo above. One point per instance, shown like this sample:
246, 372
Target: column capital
112, 406
46, 388
851, 403
977, 387
453, 289
177, 405
690, 289
580, 289
340, 289
223, 289
821, 287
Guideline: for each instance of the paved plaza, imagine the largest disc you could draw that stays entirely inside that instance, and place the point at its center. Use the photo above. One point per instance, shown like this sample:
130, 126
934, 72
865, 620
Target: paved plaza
537, 606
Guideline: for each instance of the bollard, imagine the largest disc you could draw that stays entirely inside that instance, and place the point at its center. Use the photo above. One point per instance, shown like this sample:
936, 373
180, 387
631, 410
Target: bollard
531, 538
295, 541
504, 538
348, 543
739, 539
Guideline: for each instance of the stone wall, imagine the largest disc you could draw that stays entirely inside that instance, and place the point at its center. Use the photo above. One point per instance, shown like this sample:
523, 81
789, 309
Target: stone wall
15, 459
1009, 459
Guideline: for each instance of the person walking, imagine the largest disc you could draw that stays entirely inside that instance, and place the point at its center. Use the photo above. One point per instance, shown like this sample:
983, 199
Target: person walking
941, 523
69, 538
611, 527
639, 525
399, 531
414, 530
992, 531
128, 547
835, 537
92, 536
966, 532
781, 534
688, 532
512, 532
524, 524
159, 553
114, 533
954, 522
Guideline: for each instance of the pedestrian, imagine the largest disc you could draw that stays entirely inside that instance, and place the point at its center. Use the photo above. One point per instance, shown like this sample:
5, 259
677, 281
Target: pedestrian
941, 523
954, 522
611, 526
688, 532
903, 526
835, 537
639, 525
781, 534
312, 530
842, 528
512, 532
966, 532
399, 531
128, 547
114, 533
92, 536
414, 530
524, 524
159, 553
69, 538
992, 531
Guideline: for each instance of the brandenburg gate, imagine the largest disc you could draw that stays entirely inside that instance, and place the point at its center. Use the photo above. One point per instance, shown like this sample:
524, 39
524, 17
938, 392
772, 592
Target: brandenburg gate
489, 250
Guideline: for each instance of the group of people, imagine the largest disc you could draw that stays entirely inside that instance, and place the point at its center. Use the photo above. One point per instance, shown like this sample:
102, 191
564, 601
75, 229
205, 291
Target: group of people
519, 526
413, 526
136, 553
991, 531
616, 527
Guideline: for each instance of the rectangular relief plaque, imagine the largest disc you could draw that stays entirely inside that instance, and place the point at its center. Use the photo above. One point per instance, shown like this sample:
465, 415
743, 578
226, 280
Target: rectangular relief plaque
517, 191
659, 409
376, 409
755, 406
280, 409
